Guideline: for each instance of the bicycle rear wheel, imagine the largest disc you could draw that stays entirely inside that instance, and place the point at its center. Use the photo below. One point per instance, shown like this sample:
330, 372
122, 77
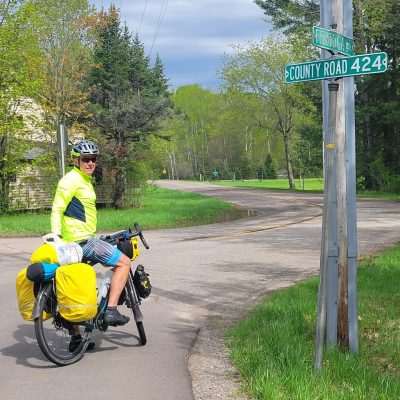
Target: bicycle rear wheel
54, 334
133, 299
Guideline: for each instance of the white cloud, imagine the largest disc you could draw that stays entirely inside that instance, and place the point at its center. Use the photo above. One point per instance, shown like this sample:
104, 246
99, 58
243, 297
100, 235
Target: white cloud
187, 29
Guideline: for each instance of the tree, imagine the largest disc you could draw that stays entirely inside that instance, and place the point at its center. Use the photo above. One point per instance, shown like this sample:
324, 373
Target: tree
65, 43
198, 108
259, 69
269, 168
128, 98
376, 28
19, 78
378, 116
291, 16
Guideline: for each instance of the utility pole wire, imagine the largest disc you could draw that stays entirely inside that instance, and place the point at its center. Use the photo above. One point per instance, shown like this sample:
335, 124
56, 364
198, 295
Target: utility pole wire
163, 11
142, 16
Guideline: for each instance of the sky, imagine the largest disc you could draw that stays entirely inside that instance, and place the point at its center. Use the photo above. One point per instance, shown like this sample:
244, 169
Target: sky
192, 36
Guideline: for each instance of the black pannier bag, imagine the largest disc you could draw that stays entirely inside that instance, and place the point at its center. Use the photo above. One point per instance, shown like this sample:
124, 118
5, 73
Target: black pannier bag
142, 282
126, 247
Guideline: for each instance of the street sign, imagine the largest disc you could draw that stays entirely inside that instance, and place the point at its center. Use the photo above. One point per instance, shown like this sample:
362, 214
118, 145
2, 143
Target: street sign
373, 63
333, 41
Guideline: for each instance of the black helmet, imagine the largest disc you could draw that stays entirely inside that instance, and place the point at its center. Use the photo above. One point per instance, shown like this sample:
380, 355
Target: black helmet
85, 147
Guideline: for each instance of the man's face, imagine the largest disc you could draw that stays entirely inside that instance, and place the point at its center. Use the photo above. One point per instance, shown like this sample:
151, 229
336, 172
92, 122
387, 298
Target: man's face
87, 164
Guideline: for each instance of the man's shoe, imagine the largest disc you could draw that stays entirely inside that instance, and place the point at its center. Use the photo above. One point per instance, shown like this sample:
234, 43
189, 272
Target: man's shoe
75, 342
113, 317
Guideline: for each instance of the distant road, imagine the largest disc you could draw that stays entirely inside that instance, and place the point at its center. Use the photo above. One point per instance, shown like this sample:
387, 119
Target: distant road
204, 277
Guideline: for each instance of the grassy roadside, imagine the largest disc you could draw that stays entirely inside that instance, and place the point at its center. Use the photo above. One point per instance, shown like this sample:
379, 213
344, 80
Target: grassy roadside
274, 347
162, 209
310, 185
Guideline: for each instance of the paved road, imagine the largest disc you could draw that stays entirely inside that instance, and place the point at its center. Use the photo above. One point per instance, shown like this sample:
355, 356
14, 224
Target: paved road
203, 278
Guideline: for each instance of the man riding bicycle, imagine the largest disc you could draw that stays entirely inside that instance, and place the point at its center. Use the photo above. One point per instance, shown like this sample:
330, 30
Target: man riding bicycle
74, 219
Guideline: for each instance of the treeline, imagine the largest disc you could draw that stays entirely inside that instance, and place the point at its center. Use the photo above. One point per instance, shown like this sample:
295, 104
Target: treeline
376, 28
257, 126
63, 62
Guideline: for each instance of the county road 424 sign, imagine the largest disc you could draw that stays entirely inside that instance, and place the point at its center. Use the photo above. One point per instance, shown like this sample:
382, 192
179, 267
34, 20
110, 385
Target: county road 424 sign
374, 63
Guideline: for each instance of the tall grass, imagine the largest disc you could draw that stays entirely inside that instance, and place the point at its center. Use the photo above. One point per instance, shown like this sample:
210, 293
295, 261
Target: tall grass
161, 208
274, 347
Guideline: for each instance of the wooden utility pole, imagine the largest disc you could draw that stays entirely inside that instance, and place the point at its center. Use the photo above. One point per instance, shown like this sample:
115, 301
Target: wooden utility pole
337, 309
337, 319
351, 198
343, 317
346, 195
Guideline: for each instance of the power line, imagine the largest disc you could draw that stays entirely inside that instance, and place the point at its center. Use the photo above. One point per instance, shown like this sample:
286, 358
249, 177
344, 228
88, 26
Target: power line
163, 11
142, 16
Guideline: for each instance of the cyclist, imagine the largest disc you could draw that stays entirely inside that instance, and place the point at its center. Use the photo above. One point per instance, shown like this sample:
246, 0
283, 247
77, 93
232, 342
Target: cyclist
73, 218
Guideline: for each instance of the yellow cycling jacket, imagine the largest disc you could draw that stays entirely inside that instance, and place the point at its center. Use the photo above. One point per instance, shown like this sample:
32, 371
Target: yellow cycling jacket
73, 215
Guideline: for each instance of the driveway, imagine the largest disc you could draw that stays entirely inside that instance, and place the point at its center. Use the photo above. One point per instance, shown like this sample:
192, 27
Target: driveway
204, 278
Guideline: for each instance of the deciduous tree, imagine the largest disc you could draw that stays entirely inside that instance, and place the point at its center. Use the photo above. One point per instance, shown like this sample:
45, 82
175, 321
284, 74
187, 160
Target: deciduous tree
259, 69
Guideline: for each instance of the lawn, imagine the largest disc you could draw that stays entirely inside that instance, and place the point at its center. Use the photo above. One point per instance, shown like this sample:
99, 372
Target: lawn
310, 184
161, 209
274, 347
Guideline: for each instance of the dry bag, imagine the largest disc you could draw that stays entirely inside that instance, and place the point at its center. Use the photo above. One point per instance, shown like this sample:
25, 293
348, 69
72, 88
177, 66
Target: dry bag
26, 296
76, 292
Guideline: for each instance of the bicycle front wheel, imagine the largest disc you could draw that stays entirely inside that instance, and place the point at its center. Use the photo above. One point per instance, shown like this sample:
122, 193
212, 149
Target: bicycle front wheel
134, 305
53, 334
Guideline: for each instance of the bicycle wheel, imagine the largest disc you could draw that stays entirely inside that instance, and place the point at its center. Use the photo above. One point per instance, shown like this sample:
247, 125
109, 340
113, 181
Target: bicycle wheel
134, 305
54, 334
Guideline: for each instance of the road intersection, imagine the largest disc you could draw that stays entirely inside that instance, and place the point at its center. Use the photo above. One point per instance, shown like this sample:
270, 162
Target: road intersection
204, 278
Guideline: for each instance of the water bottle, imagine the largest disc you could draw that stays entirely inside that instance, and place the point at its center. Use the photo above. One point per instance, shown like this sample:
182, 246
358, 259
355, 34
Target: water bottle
105, 284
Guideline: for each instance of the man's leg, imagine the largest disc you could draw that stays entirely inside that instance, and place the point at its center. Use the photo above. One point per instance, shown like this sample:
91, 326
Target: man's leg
118, 280
120, 275
96, 251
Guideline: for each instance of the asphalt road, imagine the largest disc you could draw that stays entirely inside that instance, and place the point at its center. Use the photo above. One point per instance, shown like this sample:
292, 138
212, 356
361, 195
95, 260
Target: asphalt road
203, 277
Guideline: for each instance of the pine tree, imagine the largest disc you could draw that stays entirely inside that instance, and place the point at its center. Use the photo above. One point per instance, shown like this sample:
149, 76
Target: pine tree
160, 82
126, 108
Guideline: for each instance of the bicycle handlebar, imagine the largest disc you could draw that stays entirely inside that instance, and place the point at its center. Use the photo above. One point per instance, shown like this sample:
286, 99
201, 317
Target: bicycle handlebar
126, 235
140, 234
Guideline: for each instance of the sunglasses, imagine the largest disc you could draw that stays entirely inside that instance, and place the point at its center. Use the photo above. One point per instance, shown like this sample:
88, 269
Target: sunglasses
87, 159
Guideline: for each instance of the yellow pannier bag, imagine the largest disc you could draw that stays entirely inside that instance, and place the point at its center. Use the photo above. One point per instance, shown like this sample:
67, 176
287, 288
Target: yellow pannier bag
26, 296
135, 248
76, 292
45, 253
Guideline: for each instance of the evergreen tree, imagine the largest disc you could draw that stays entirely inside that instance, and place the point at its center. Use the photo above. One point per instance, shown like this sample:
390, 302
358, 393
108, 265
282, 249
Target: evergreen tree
269, 167
126, 108
160, 82
291, 15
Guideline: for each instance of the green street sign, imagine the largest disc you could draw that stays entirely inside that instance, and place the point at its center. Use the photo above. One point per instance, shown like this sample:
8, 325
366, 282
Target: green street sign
373, 63
331, 40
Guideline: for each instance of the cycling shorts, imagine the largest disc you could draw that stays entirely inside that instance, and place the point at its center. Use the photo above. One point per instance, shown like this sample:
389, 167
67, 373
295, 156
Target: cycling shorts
99, 251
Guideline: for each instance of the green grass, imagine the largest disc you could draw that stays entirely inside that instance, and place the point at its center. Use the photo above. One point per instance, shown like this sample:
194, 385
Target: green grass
310, 184
379, 195
274, 347
161, 209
